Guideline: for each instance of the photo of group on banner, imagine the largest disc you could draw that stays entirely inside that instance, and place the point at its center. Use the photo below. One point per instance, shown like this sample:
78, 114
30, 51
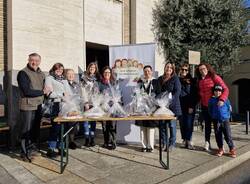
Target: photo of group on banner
98, 95
127, 68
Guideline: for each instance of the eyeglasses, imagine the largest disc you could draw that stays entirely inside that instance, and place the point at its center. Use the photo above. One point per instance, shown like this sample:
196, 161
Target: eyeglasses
184, 69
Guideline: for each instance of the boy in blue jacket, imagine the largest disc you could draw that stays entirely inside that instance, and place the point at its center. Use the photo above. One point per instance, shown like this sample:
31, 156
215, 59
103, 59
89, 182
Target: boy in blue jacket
220, 117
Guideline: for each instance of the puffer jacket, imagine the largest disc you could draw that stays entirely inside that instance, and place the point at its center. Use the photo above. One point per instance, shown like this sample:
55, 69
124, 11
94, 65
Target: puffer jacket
205, 89
221, 113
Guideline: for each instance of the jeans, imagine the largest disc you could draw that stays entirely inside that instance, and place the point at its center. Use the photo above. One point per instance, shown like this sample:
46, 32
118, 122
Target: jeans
55, 128
208, 120
89, 129
186, 126
54, 135
172, 128
223, 128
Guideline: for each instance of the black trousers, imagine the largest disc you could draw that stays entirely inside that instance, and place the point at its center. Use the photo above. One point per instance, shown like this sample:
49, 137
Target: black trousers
208, 122
30, 124
109, 132
220, 129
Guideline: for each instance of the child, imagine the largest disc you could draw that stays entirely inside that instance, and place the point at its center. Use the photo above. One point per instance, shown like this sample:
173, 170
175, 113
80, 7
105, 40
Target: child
220, 118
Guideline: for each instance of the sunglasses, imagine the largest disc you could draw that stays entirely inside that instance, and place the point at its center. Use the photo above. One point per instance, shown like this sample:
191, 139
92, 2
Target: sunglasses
184, 69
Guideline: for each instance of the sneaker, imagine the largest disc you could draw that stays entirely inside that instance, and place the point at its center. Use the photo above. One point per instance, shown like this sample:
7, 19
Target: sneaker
184, 144
170, 148
150, 150
190, 145
113, 146
143, 149
232, 153
26, 157
105, 145
51, 153
87, 142
220, 152
72, 145
207, 146
92, 142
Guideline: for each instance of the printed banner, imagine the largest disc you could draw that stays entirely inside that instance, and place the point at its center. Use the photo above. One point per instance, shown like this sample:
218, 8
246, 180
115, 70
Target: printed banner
127, 62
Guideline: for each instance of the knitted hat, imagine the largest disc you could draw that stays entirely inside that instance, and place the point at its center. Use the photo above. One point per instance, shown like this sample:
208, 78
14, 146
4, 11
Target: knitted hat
217, 87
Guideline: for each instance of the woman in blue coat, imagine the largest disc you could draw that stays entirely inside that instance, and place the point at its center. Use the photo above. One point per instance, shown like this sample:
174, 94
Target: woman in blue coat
169, 82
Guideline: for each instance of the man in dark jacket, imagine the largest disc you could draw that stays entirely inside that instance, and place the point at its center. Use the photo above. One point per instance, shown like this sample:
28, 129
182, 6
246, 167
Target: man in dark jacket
31, 83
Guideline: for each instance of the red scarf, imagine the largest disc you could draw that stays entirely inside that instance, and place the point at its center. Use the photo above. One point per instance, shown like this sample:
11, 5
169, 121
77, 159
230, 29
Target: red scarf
104, 81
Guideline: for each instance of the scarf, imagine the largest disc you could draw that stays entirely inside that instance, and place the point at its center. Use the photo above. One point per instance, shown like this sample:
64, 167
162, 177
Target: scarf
57, 77
104, 81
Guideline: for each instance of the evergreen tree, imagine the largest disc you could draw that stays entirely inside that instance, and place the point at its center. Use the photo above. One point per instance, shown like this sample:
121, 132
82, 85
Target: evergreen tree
217, 28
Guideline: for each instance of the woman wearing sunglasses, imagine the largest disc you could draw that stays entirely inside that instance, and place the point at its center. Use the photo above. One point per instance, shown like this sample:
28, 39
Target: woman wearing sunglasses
188, 100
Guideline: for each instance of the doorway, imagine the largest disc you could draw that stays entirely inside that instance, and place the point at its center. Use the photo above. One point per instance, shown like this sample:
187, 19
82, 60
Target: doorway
97, 53
243, 94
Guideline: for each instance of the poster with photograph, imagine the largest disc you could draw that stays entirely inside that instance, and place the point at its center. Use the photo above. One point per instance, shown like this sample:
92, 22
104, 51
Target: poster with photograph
127, 62
127, 68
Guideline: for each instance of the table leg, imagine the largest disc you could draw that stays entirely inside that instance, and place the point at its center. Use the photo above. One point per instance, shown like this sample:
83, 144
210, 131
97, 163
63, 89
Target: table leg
64, 145
167, 145
67, 148
62, 148
165, 165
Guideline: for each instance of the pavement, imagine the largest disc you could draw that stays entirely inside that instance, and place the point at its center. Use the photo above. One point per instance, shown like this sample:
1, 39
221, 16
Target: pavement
127, 165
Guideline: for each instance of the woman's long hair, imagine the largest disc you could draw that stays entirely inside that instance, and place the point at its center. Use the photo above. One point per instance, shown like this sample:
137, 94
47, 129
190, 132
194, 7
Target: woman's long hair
173, 68
210, 70
112, 79
55, 67
97, 75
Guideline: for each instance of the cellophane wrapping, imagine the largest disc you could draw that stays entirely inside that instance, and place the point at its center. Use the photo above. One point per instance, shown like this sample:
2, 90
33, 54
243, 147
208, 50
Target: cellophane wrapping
163, 101
116, 109
96, 110
71, 106
142, 104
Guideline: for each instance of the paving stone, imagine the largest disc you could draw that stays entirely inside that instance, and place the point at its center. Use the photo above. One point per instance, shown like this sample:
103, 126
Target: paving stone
21, 174
6, 177
126, 164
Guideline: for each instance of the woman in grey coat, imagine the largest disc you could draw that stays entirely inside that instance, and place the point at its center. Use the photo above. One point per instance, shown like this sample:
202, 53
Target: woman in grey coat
59, 88
90, 79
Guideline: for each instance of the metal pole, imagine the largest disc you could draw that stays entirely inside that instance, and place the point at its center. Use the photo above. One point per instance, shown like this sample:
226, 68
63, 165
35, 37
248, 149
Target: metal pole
193, 71
247, 122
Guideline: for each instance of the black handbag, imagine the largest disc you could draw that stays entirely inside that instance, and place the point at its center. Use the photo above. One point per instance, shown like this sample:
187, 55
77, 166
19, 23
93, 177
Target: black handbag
50, 109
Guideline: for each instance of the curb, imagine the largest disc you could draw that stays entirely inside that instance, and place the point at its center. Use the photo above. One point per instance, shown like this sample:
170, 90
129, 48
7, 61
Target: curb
211, 170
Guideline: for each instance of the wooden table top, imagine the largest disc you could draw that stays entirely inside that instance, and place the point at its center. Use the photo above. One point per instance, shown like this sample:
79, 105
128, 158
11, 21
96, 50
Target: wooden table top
105, 118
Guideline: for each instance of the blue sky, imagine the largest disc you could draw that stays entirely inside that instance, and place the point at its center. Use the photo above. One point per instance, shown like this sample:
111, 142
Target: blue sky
246, 3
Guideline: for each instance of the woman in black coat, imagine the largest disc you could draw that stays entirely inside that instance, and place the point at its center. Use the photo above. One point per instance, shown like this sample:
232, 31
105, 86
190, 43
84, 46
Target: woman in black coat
169, 82
188, 100
147, 127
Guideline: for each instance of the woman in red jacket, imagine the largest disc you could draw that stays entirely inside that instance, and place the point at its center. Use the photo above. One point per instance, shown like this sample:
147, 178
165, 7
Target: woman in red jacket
207, 78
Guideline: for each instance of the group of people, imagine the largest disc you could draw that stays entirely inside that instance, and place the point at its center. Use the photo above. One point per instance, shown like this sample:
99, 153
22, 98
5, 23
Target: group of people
186, 91
207, 88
